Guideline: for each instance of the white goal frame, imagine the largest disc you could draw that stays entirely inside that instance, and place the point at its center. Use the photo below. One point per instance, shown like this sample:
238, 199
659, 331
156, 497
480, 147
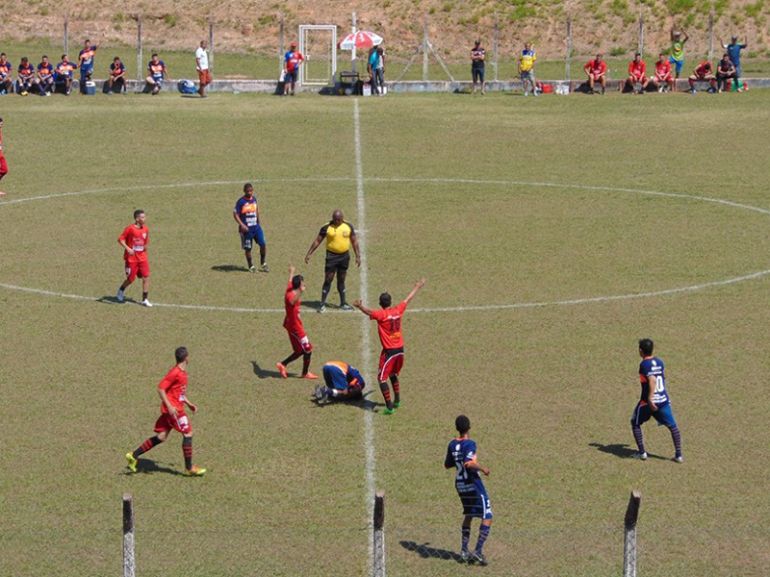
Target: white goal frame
303, 30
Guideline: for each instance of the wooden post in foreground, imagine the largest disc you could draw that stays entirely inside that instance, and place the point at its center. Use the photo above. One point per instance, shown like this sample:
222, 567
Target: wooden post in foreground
568, 57
379, 535
629, 544
139, 49
129, 560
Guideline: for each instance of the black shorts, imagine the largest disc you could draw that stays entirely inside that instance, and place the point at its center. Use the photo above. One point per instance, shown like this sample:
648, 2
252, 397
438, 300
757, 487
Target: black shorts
337, 262
478, 73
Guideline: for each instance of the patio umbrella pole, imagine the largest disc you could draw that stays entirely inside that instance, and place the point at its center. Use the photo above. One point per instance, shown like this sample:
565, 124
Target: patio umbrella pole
353, 53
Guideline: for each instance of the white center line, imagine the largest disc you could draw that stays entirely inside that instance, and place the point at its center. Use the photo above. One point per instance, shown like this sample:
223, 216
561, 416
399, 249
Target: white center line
366, 351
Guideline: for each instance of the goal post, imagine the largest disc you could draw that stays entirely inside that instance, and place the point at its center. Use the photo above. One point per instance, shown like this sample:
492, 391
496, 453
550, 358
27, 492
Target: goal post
318, 44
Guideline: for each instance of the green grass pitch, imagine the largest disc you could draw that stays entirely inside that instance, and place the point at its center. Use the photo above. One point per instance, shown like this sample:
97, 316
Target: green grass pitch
512, 208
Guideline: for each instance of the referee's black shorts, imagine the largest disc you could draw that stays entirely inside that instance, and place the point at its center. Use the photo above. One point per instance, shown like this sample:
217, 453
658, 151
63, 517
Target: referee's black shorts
337, 262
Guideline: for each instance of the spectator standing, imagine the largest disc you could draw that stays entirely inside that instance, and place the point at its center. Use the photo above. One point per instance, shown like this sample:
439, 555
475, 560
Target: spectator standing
734, 52
86, 63
376, 69
202, 66
45, 75
117, 79
478, 57
527, 68
678, 40
291, 63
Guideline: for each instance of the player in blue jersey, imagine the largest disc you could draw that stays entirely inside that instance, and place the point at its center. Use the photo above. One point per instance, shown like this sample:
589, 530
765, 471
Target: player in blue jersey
654, 401
86, 63
461, 456
343, 383
246, 214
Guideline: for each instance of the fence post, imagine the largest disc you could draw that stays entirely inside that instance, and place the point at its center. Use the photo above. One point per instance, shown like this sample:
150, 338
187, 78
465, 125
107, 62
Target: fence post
211, 44
425, 44
129, 561
629, 544
569, 49
711, 34
66, 33
496, 42
281, 51
641, 33
139, 48
379, 535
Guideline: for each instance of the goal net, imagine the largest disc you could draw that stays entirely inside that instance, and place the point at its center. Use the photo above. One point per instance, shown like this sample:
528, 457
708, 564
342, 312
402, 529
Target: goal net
318, 44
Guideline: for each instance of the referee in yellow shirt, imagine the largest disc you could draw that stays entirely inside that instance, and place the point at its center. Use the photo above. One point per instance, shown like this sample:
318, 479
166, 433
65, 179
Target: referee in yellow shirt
339, 235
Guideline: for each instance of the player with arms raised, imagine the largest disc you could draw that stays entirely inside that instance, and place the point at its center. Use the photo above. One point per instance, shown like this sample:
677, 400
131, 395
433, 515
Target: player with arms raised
173, 395
134, 240
392, 339
293, 324
654, 401
461, 455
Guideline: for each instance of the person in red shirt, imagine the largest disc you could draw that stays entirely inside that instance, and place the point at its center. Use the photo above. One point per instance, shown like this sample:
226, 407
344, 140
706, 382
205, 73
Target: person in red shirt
596, 70
301, 346
637, 73
392, 339
703, 72
3, 162
173, 395
663, 79
134, 240
291, 63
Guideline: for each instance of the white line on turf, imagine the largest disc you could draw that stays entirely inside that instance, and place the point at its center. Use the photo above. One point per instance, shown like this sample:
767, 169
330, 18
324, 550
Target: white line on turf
366, 352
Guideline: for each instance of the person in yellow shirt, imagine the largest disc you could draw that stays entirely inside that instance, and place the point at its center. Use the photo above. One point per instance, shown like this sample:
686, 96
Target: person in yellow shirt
527, 68
340, 236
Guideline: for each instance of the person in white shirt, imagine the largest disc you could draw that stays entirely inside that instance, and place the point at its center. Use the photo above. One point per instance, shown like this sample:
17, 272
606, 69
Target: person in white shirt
202, 66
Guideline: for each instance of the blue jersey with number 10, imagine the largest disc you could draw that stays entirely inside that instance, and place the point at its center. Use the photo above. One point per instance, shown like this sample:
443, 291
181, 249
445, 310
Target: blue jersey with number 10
652, 374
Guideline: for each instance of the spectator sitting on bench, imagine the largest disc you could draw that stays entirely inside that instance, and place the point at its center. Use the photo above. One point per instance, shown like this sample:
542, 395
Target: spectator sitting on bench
117, 79
596, 70
64, 74
6, 82
44, 79
703, 73
663, 79
26, 77
725, 71
637, 73
156, 74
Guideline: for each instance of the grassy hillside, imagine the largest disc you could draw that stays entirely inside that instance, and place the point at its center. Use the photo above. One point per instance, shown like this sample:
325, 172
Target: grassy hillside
253, 26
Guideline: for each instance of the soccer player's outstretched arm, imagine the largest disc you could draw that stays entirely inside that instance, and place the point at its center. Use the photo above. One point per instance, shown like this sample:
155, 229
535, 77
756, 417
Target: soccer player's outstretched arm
417, 286
312, 248
360, 306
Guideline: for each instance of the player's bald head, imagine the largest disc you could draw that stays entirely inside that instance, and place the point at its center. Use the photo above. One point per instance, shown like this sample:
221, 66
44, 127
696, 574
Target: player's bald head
337, 216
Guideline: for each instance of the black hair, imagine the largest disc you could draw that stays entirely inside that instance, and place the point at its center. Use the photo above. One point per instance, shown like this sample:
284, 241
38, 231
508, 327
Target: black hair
154, 54
63, 56
181, 354
116, 58
385, 300
247, 186
137, 212
646, 346
462, 424
44, 56
296, 280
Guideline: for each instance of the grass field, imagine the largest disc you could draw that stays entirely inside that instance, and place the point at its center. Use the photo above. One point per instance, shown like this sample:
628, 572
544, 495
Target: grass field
513, 208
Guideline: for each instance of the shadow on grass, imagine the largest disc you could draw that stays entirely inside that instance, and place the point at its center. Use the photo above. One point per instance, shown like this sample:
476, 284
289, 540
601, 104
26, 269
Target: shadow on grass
621, 450
229, 268
427, 552
112, 300
149, 466
364, 403
264, 373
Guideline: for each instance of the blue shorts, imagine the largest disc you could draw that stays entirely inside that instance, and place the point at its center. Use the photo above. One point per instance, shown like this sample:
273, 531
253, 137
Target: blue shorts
477, 72
255, 233
677, 64
335, 378
290, 77
664, 415
473, 496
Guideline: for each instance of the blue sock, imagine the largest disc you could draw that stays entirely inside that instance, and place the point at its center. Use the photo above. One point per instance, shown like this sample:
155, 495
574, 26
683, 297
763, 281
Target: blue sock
483, 534
466, 538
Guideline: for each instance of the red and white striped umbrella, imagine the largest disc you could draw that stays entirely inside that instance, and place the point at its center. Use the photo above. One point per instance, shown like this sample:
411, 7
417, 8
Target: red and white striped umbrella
360, 39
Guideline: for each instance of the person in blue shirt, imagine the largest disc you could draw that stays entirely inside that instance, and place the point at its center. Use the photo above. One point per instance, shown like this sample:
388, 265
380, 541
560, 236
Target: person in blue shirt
246, 214
25, 79
343, 383
734, 52
654, 401
86, 63
461, 456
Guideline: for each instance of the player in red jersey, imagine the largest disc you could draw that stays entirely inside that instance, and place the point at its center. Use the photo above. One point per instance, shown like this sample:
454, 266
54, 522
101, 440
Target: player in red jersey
173, 395
300, 344
663, 78
637, 73
389, 329
134, 239
703, 72
3, 163
596, 70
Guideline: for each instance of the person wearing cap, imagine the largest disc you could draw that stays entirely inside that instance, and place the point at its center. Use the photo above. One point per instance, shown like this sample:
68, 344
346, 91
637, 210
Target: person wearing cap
676, 59
202, 66
734, 52
291, 62
478, 54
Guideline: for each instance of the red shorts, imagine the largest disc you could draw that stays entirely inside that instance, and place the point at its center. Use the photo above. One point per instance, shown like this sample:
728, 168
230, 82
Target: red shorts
391, 361
166, 422
136, 268
204, 77
299, 342
3, 166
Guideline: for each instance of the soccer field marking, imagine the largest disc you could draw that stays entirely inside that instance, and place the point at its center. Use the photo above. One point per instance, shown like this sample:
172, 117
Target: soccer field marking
360, 181
366, 351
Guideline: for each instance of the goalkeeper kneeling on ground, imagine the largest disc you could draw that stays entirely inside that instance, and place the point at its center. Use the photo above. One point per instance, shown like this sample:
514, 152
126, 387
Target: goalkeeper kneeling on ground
343, 383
